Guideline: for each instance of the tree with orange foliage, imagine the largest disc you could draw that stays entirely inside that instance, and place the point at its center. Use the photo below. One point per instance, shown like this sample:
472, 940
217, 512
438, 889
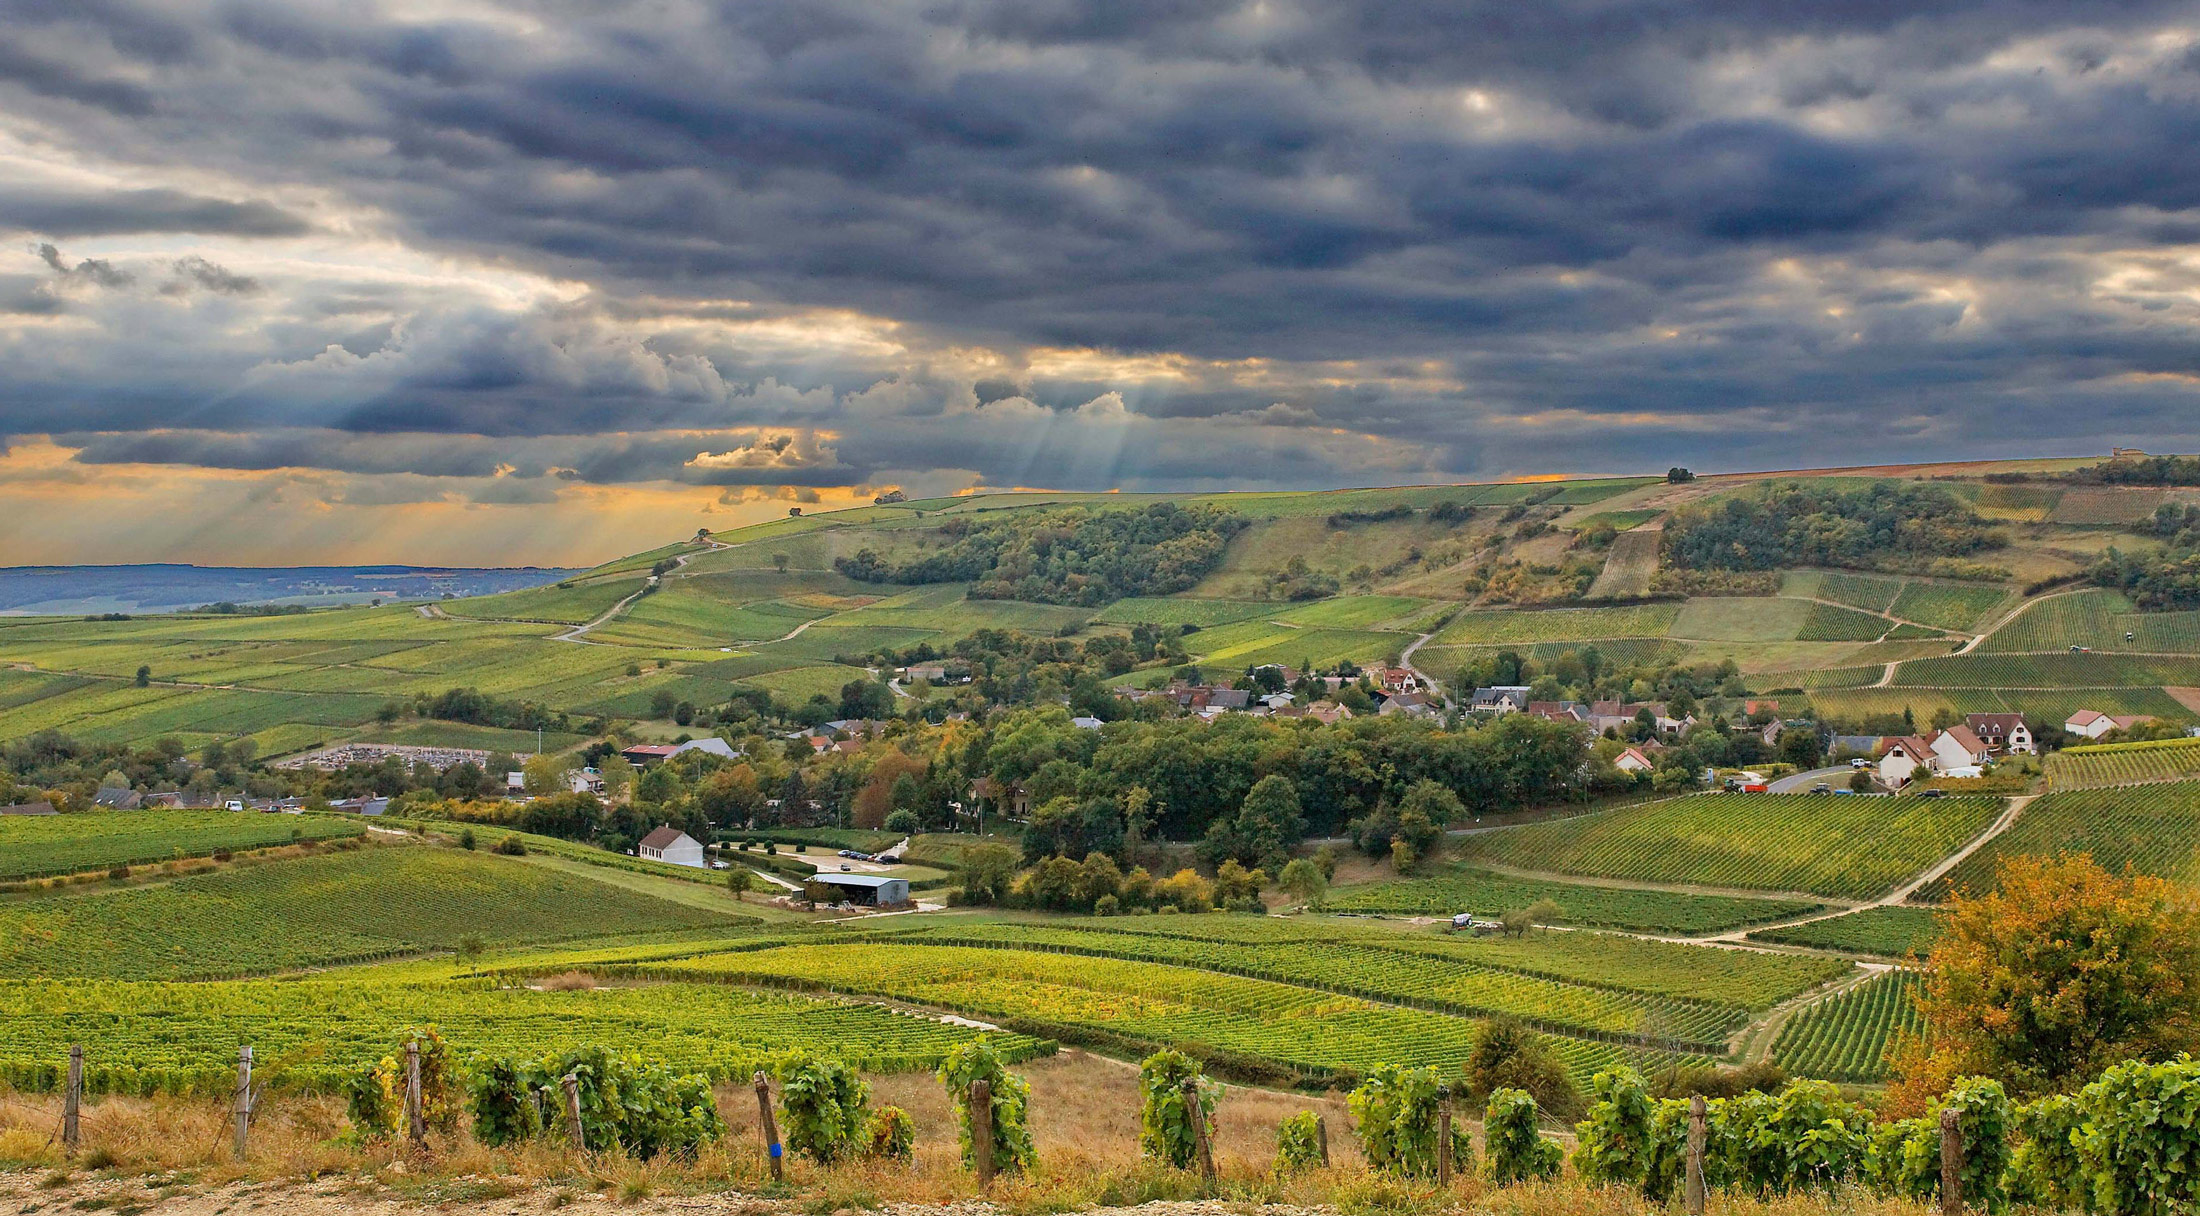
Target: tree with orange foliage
875, 801
2060, 971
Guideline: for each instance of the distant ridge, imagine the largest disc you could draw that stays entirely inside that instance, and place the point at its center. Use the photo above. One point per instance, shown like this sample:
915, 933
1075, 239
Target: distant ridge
171, 586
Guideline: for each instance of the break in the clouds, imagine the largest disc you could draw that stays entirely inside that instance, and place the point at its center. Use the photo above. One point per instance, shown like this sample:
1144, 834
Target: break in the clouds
380, 262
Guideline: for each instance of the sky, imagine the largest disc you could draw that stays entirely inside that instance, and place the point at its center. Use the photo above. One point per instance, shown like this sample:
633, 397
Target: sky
546, 281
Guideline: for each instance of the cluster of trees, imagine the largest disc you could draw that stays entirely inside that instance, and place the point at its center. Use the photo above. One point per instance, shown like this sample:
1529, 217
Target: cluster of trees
1075, 556
1588, 674
480, 709
2141, 471
1184, 779
1101, 886
2059, 972
1885, 525
2165, 580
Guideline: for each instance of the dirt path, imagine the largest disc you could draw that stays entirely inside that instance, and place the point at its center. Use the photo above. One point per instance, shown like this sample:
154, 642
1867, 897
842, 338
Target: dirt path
1940, 869
579, 633
1753, 1043
2012, 614
1405, 660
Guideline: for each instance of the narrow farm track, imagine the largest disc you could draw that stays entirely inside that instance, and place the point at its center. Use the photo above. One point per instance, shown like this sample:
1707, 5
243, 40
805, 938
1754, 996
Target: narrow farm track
579, 633
1754, 1042
1940, 868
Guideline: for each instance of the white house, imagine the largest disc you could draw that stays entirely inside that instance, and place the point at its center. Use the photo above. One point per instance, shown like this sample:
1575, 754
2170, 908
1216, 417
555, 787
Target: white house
1903, 755
673, 847
2003, 732
1956, 747
1631, 760
2089, 723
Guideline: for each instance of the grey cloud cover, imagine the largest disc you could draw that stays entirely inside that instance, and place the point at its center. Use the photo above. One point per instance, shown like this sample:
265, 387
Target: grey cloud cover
1311, 243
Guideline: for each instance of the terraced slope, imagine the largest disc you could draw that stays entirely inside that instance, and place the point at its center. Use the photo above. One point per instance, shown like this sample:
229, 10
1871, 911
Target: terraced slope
1845, 848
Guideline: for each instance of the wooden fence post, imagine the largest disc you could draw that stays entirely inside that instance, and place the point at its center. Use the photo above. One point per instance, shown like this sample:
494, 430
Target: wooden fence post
72, 1099
1696, 1134
1197, 1116
1321, 1137
416, 1122
768, 1127
243, 1109
1443, 1135
981, 1131
572, 1085
1951, 1163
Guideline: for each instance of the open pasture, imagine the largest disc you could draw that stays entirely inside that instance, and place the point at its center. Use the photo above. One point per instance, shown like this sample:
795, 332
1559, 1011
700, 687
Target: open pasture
1850, 848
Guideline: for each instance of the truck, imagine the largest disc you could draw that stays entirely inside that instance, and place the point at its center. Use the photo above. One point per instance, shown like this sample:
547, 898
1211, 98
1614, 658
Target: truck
1479, 926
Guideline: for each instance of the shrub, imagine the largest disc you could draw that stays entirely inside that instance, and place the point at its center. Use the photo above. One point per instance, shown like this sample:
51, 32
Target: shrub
893, 1134
1298, 1143
511, 846
374, 1097
1615, 1139
2140, 1137
1518, 1152
823, 1106
1011, 1096
1508, 1055
2046, 1169
1805, 1137
626, 1102
1164, 1119
1394, 1114
466, 839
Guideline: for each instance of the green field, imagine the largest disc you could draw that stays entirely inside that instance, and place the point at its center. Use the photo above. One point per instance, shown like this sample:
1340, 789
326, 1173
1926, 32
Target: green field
2101, 764
1310, 1033
1182, 611
1558, 624
1850, 848
2050, 671
1828, 623
34, 847
566, 603
315, 911
146, 1038
1846, 1037
1745, 979
1354, 612
2149, 829
1466, 889
1895, 932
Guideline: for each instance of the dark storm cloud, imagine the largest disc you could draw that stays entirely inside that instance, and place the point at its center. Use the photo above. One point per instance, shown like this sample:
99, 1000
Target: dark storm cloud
1413, 239
95, 213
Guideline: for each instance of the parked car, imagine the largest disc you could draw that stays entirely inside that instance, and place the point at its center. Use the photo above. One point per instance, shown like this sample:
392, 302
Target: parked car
1822, 788
845, 866
1860, 762
1933, 793
1468, 922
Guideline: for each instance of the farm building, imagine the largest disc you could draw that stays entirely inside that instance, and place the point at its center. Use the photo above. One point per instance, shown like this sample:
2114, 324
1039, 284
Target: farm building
871, 889
672, 846
2091, 723
29, 808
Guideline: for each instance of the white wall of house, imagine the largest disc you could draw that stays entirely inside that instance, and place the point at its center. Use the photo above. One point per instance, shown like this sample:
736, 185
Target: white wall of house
685, 851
